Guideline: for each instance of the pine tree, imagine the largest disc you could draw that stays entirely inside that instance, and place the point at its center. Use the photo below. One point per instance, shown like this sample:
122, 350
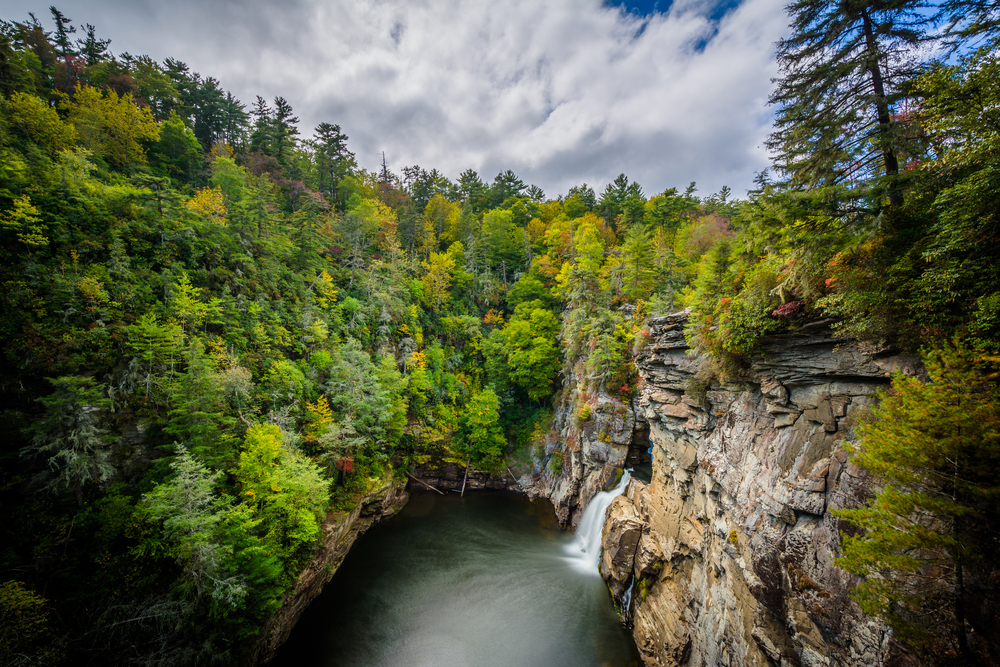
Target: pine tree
284, 131
64, 28
92, 49
929, 543
261, 138
197, 416
77, 448
333, 160
843, 71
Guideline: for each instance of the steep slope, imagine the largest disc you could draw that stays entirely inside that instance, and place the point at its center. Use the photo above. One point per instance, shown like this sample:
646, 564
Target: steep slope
726, 557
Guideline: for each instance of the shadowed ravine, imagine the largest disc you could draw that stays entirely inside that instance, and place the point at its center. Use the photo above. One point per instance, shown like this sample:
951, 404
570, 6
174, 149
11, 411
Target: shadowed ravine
488, 579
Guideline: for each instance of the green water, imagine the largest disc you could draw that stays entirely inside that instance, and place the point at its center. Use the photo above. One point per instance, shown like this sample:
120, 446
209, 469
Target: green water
488, 580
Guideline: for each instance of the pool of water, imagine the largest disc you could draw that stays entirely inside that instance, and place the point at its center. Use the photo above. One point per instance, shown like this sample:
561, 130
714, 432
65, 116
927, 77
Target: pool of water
488, 579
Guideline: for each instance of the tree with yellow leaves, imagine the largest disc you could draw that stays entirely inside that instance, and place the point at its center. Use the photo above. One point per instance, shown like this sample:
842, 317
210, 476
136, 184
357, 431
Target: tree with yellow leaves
209, 203
437, 280
25, 220
112, 126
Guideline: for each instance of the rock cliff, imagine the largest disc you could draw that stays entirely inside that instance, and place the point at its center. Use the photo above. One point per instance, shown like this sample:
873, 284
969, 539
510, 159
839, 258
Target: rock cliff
726, 556
594, 449
340, 532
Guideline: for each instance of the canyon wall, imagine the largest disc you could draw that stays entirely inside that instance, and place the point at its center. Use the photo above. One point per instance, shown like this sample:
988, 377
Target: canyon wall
340, 530
726, 556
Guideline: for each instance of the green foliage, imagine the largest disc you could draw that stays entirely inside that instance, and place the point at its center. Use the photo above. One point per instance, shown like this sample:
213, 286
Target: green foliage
927, 547
247, 274
192, 516
286, 491
555, 464
176, 153
70, 436
530, 345
198, 418
480, 435
25, 635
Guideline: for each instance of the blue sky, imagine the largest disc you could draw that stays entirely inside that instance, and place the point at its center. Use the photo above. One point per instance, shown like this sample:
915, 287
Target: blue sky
562, 91
641, 8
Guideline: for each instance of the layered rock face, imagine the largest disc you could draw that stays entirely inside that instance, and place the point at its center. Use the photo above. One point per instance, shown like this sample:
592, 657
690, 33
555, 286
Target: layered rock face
726, 557
594, 451
340, 532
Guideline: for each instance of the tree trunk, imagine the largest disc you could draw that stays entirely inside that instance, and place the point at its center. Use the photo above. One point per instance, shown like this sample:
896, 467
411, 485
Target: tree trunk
466, 479
882, 112
963, 641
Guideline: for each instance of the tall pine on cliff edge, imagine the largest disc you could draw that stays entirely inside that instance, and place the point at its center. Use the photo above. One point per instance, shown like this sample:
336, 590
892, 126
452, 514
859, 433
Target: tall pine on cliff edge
843, 70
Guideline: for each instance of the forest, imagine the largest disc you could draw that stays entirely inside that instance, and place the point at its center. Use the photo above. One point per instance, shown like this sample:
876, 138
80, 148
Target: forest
217, 327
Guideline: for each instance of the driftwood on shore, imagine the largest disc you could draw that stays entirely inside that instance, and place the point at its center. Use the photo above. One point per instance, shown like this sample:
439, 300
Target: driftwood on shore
415, 479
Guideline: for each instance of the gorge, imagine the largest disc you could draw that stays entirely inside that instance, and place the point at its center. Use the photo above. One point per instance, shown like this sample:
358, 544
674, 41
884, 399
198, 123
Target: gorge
725, 557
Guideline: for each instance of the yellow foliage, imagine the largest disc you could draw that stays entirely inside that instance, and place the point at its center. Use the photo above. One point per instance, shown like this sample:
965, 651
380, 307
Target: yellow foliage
417, 360
319, 417
25, 219
444, 217
326, 292
39, 121
111, 126
209, 202
535, 229
437, 280
216, 348
220, 149
93, 292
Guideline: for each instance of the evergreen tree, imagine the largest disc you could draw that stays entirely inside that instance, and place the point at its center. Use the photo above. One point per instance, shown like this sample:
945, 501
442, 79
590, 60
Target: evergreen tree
64, 28
283, 131
929, 543
92, 49
472, 190
505, 185
197, 415
70, 436
209, 111
843, 70
333, 160
260, 138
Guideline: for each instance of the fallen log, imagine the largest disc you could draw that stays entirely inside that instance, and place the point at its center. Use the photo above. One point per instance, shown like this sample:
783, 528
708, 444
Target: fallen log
424, 483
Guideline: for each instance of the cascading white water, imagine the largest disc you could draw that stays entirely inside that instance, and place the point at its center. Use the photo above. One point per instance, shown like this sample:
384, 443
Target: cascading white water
585, 551
627, 600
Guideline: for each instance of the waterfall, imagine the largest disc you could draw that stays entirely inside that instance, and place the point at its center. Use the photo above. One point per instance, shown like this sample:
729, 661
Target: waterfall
585, 551
627, 601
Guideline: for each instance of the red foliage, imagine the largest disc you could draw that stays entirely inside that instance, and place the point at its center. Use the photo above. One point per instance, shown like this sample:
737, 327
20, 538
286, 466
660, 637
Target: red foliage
346, 464
788, 309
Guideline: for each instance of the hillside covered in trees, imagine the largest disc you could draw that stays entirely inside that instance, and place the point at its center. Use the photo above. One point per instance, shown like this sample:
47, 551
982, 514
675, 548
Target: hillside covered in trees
217, 327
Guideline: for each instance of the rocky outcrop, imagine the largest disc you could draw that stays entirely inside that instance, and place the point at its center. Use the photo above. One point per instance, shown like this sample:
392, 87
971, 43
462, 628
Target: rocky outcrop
449, 474
592, 434
728, 552
340, 530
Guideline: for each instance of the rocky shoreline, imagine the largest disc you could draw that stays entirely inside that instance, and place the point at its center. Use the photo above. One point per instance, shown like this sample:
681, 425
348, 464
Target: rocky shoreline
340, 532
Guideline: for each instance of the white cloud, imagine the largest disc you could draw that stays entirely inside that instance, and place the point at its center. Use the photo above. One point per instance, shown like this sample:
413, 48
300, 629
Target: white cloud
561, 91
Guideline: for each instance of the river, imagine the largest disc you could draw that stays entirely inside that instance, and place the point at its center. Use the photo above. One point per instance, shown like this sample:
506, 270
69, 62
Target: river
488, 579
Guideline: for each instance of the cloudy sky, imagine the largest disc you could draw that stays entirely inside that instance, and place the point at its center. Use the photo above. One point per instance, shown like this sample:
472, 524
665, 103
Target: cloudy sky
560, 91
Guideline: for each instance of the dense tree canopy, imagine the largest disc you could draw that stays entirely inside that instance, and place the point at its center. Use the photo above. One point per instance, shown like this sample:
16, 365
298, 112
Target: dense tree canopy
216, 330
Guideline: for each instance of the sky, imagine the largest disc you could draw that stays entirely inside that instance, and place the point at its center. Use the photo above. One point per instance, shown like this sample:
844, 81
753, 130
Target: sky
562, 91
